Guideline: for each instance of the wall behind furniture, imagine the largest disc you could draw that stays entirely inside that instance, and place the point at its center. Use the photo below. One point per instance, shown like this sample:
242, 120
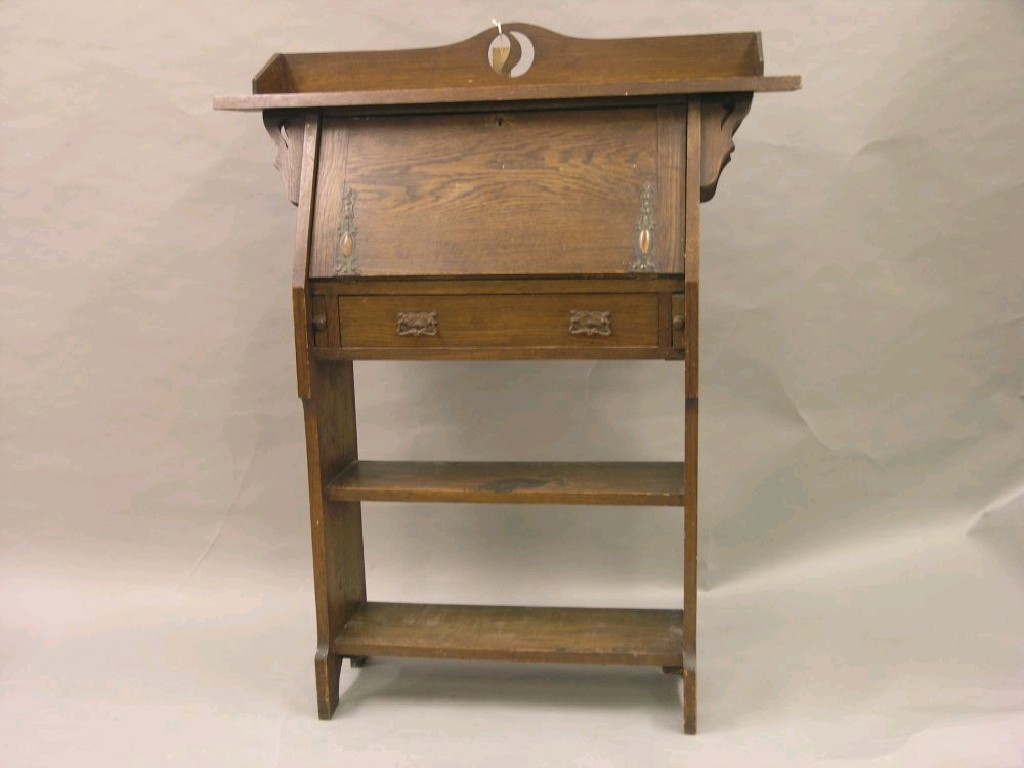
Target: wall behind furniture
862, 321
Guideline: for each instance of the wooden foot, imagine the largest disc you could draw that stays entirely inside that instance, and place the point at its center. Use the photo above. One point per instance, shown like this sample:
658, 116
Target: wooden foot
357, 661
328, 670
689, 702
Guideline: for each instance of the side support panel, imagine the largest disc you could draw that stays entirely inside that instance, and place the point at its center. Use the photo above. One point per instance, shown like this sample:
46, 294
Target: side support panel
691, 333
328, 404
339, 575
301, 301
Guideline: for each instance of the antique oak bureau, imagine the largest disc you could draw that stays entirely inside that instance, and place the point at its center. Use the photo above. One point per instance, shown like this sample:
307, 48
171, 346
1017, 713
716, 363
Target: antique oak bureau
516, 196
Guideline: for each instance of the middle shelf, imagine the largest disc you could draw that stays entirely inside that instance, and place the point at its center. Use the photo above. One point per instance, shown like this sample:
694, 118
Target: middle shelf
628, 483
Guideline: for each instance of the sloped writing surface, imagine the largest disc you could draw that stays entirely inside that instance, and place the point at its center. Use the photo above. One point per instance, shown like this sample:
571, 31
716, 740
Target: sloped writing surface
545, 192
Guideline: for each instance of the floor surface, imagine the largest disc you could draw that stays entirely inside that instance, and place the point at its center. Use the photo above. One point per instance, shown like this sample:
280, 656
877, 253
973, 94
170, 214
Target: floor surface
908, 654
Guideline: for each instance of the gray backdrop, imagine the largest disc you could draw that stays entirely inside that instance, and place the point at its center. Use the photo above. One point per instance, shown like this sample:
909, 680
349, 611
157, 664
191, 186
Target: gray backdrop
861, 525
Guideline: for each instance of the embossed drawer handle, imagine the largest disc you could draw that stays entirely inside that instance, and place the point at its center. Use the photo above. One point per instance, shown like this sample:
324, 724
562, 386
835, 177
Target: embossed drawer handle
417, 323
587, 322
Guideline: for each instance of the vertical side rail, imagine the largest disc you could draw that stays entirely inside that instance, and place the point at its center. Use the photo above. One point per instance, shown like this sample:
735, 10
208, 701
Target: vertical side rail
691, 293
328, 404
303, 251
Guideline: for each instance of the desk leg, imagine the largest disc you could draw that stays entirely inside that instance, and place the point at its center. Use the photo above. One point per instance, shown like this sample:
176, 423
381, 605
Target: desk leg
691, 326
339, 575
690, 572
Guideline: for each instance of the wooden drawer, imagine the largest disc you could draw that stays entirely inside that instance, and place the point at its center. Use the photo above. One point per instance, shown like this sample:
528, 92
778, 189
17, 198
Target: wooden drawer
582, 320
497, 319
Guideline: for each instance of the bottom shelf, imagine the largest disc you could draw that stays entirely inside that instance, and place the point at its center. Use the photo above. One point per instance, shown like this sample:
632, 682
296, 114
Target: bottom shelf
619, 636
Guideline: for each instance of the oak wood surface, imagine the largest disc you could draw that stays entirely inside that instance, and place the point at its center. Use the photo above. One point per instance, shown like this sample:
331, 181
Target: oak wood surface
691, 339
638, 294
670, 216
500, 320
286, 131
560, 60
418, 286
328, 406
720, 119
499, 194
502, 95
561, 68
499, 353
301, 252
628, 483
339, 573
504, 633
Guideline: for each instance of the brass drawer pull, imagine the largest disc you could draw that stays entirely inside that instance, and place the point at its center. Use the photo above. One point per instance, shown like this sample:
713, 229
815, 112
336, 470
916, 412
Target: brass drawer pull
588, 322
417, 324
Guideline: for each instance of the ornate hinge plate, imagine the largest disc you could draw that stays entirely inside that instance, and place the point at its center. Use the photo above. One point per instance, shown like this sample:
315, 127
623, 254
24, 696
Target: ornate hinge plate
344, 260
417, 324
588, 322
643, 248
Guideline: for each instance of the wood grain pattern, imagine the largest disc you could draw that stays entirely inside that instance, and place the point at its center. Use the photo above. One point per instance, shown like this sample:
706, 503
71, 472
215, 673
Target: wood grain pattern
462, 286
301, 253
501, 633
500, 96
563, 68
544, 335
560, 60
671, 163
498, 321
499, 353
339, 574
484, 194
629, 483
328, 406
330, 209
691, 336
273, 76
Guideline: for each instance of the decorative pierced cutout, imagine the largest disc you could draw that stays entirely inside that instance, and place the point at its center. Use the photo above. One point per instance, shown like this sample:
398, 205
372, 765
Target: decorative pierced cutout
643, 251
589, 322
511, 54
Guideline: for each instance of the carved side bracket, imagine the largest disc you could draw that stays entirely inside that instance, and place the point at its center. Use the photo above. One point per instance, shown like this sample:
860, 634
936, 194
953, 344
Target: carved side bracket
719, 118
286, 132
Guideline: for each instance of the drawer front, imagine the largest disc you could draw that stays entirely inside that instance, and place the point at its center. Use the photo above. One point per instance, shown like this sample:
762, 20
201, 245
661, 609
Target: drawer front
499, 321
